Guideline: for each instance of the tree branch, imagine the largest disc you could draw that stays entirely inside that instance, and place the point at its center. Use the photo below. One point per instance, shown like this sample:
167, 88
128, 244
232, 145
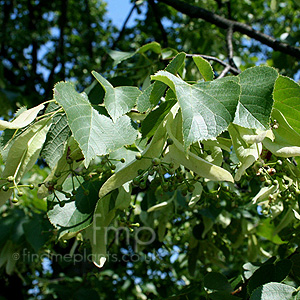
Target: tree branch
158, 21
123, 27
200, 13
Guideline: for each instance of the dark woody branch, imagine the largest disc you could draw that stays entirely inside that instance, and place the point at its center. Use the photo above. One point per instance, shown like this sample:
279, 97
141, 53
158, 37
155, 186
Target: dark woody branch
200, 13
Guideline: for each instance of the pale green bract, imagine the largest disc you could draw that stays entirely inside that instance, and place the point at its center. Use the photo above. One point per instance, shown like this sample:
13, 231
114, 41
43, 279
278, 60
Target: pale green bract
190, 160
246, 153
287, 141
103, 216
24, 119
24, 153
130, 171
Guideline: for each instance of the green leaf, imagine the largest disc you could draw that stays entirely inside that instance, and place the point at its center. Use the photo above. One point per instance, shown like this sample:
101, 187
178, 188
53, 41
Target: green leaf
269, 273
95, 134
159, 88
282, 269
204, 68
274, 291
207, 109
24, 119
155, 117
143, 101
37, 231
152, 95
266, 229
216, 281
120, 100
261, 276
286, 99
77, 214
7, 139
56, 139
103, 216
255, 105
153, 46
119, 56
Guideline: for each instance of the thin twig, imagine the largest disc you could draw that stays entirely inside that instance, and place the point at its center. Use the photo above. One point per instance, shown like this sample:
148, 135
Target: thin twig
230, 46
105, 56
233, 70
225, 71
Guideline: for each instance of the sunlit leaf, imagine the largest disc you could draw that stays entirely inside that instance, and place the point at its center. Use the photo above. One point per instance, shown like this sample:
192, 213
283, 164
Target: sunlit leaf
255, 105
95, 133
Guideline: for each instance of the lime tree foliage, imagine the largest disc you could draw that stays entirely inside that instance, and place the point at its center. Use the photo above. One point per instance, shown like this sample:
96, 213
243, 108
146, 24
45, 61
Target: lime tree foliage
199, 179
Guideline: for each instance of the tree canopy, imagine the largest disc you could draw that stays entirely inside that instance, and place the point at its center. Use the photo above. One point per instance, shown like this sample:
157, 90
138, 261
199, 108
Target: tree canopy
158, 161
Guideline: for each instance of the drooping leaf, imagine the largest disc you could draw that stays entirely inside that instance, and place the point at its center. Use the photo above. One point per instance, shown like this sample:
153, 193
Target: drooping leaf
204, 68
97, 233
196, 195
24, 119
255, 105
95, 133
153, 46
264, 193
286, 99
119, 56
207, 109
7, 139
120, 100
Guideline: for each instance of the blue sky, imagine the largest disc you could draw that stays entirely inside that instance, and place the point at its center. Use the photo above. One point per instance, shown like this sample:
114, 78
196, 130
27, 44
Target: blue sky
118, 10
